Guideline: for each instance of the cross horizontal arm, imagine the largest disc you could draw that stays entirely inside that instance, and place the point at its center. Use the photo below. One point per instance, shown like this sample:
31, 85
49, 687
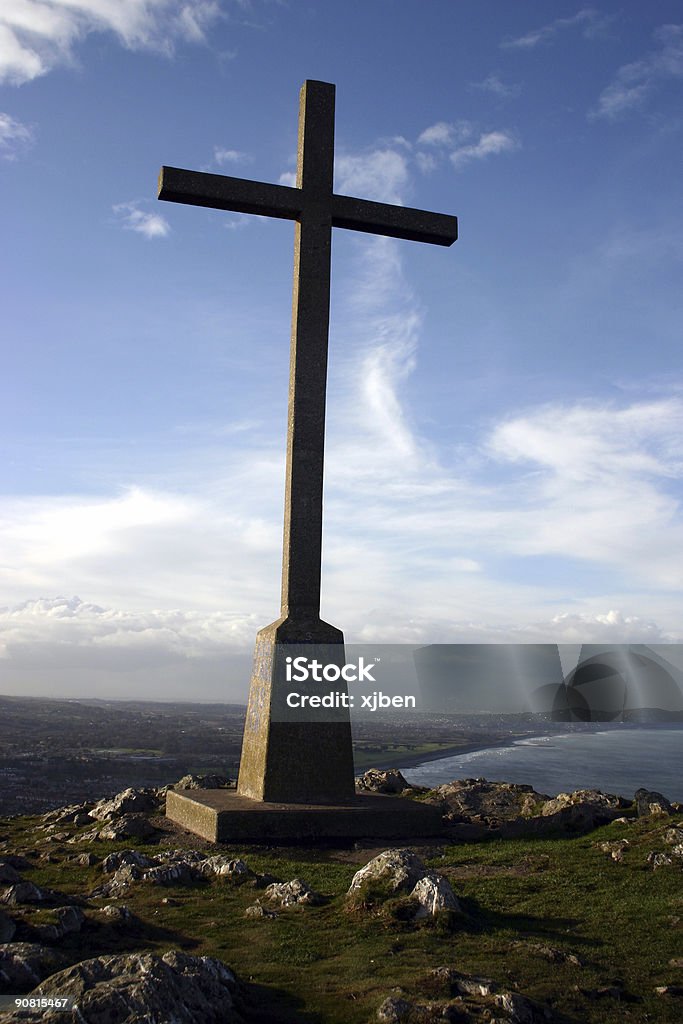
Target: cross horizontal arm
221, 192
396, 221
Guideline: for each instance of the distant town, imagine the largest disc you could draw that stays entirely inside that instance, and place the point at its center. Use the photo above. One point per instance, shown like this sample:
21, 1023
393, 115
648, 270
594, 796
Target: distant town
57, 752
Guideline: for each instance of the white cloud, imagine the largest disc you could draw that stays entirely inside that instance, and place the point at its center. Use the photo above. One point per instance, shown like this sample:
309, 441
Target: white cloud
494, 85
15, 137
634, 82
489, 144
288, 178
381, 174
230, 156
426, 162
587, 18
600, 485
439, 134
151, 225
38, 35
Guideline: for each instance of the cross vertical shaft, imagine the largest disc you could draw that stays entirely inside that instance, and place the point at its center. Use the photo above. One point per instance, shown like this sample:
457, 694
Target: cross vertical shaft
285, 756
302, 547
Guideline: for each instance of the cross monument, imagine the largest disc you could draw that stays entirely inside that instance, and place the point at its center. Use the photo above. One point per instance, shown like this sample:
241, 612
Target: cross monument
285, 760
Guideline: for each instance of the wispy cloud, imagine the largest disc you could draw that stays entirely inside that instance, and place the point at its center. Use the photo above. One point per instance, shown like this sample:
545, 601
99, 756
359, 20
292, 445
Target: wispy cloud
380, 174
444, 133
38, 35
493, 84
15, 137
588, 19
229, 156
444, 136
488, 144
151, 225
634, 82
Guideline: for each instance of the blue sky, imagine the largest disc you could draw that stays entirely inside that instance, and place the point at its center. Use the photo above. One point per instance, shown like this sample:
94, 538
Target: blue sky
504, 445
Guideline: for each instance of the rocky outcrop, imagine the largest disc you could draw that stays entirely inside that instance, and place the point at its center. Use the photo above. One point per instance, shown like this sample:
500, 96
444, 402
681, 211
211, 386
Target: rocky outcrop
8, 873
258, 910
144, 987
25, 964
433, 894
375, 780
581, 811
129, 801
204, 782
649, 801
114, 861
172, 867
470, 998
394, 870
518, 810
481, 801
74, 814
402, 872
287, 894
68, 919
23, 892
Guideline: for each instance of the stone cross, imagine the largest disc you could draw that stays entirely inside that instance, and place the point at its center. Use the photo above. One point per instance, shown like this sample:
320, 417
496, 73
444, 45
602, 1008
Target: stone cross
284, 760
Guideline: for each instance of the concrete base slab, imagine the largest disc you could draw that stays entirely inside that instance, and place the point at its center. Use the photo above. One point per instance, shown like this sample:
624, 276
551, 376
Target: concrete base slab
223, 816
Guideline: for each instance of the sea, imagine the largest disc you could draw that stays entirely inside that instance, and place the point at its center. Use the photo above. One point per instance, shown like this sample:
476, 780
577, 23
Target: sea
616, 760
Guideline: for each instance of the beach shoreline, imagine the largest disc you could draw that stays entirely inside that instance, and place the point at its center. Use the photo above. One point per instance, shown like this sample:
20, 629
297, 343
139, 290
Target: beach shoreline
407, 761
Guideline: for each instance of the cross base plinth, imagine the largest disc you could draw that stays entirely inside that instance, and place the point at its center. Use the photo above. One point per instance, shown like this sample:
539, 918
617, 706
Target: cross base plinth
290, 753
223, 816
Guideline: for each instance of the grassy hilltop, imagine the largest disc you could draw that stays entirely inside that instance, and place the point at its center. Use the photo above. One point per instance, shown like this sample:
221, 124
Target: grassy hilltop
587, 936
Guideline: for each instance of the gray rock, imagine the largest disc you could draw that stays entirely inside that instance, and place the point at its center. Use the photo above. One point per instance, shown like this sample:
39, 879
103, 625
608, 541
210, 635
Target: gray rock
659, 860
86, 860
8, 873
673, 835
582, 810
129, 801
397, 869
115, 913
649, 801
23, 892
286, 894
114, 861
483, 801
119, 881
374, 780
258, 910
204, 782
520, 1009
394, 1010
7, 927
130, 826
71, 919
170, 874
77, 814
23, 964
175, 988
464, 984
225, 867
434, 895
615, 848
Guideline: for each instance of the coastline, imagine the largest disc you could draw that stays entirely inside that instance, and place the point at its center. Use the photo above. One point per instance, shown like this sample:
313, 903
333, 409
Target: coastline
415, 760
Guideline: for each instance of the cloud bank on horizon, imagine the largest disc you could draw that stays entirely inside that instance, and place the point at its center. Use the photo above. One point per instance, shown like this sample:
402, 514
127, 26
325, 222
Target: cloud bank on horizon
504, 453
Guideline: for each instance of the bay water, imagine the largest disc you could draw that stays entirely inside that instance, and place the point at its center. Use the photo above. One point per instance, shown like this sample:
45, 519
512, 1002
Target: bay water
616, 760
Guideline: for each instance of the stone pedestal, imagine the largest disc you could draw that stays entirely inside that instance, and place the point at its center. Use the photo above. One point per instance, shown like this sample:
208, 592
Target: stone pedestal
295, 755
223, 816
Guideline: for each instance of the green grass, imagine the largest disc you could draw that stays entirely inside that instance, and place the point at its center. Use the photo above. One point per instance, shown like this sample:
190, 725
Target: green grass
335, 965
